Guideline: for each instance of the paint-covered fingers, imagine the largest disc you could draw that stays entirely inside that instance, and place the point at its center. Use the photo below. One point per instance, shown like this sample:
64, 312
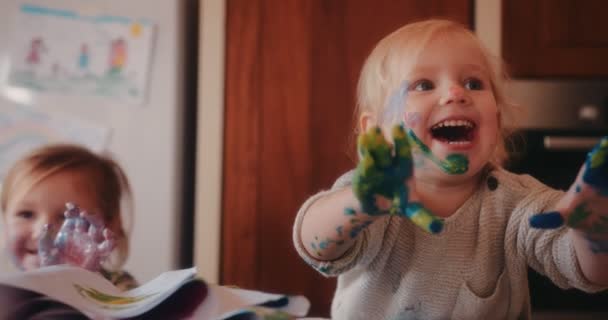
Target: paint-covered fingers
403, 152
596, 168
382, 181
82, 240
589, 217
370, 178
47, 252
373, 147
547, 220
109, 242
590, 194
583, 208
423, 218
378, 176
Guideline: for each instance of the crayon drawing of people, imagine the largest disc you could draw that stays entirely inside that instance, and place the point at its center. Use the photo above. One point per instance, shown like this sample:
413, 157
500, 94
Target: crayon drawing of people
35, 51
118, 56
83, 57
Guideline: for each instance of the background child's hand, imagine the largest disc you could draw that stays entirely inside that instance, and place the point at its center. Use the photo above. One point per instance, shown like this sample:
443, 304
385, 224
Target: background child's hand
380, 178
82, 240
585, 206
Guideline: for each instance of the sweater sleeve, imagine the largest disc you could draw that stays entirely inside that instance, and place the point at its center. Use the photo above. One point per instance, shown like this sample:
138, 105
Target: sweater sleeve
549, 252
362, 252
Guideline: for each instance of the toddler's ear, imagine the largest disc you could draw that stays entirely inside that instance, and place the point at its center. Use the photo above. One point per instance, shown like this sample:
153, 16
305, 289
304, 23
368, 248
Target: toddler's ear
366, 121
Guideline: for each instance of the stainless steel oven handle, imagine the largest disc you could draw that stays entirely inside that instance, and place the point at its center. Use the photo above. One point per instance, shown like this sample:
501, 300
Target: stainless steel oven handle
570, 143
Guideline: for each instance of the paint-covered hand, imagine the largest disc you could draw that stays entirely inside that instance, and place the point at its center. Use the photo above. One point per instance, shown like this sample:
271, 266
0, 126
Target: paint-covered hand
82, 240
585, 206
380, 178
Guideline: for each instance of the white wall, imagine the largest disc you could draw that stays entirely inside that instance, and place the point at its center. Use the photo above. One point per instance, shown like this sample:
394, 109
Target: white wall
145, 139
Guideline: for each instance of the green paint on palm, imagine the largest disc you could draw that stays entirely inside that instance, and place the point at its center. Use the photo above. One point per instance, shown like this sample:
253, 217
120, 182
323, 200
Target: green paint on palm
382, 172
596, 167
453, 164
599, 228
349, 211
578, 216
598, 157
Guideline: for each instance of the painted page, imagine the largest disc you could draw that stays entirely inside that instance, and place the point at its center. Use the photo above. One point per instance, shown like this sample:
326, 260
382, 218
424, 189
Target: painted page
173, 294
61, 50
95, 296
227, 303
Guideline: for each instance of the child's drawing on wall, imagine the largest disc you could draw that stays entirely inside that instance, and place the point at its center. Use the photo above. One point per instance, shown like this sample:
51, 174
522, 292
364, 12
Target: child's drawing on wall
63, 51
83, 58
35, 51
118, 55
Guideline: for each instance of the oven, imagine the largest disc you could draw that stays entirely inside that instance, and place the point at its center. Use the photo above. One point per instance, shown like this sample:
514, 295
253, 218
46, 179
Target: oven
565, 120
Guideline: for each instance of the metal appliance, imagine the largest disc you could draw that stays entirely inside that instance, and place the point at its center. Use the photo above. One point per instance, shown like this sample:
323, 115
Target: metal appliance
565, 120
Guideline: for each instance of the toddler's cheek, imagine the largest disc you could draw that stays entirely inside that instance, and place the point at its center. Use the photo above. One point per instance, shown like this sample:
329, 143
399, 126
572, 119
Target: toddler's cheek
411, 119
16, 251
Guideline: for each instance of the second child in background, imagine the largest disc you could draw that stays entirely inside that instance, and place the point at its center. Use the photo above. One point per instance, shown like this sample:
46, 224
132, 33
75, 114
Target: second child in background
38, 186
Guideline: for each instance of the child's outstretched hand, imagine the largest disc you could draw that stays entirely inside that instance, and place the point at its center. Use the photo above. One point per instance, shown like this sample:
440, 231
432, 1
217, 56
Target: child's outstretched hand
585, 206
82, 240
380, 178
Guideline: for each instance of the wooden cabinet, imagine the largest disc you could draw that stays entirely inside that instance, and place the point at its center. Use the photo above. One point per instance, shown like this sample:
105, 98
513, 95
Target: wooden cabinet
291, 73
549, 38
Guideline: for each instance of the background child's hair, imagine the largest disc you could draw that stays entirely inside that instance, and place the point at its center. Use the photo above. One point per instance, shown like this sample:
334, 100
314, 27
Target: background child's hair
384, 70
107, 179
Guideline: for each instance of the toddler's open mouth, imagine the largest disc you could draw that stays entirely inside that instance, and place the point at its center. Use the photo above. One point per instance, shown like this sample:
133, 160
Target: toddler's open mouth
454, 132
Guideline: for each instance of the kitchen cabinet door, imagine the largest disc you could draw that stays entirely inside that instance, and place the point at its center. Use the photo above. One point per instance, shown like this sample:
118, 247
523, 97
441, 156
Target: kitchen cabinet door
563, 38
291, 72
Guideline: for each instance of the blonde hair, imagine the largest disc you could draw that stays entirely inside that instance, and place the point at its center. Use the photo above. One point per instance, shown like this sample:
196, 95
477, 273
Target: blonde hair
383, 72
108, 181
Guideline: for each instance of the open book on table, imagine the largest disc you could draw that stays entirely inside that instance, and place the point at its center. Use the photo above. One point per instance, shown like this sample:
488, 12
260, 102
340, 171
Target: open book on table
74, 293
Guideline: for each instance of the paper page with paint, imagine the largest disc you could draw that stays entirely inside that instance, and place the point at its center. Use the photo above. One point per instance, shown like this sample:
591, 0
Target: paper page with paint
93, 295
224, 303
167, 295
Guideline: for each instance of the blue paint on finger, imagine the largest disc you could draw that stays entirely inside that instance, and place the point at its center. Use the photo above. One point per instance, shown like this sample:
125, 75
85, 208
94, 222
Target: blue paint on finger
436, 226
549, 220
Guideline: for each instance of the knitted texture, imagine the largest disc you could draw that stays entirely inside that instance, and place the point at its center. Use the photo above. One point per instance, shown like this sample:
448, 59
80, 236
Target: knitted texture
476, 268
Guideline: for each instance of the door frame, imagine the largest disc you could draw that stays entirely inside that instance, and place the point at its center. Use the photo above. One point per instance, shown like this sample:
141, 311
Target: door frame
209, 139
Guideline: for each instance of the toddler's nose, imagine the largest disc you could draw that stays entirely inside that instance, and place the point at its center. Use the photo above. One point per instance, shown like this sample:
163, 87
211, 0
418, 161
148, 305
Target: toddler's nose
455, 94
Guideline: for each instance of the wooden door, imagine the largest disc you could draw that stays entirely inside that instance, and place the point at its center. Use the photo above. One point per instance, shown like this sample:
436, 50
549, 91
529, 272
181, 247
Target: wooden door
547, 38
291, 71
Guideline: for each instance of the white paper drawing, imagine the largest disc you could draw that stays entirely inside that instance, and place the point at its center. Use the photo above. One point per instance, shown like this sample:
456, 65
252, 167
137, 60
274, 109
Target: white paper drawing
63, 51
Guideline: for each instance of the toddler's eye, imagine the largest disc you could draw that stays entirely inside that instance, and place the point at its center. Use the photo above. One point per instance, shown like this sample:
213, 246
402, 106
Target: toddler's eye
473, 84
423, 85
25, 214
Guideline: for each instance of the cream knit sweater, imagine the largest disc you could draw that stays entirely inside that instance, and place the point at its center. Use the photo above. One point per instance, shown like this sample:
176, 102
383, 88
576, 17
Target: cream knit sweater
476, 268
